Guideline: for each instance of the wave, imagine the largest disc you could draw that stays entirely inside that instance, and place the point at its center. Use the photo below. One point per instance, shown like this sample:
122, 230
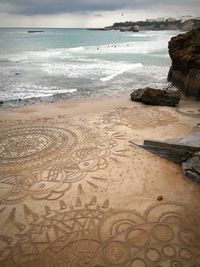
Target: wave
83, 53
29, 90
80, 48
4, 60
110, 77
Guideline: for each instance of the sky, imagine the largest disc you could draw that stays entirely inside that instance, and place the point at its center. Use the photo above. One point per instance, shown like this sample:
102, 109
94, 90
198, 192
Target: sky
89, 13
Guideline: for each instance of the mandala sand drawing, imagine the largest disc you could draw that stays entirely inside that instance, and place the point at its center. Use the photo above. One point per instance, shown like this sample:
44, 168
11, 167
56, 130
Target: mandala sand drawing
95, 235
40, 160
34, 144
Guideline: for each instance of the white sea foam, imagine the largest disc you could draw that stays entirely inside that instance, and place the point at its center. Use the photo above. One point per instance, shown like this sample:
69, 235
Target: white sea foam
80, 48
126, 68
30, 90
95, 70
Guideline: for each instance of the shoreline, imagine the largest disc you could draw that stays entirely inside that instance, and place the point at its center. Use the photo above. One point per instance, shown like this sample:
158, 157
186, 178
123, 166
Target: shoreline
98, 104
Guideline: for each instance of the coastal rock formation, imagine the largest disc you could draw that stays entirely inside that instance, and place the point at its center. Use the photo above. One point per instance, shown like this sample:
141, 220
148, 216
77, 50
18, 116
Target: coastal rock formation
34, 31
158, 97
184, 73
191, 168
134, 28
185, 151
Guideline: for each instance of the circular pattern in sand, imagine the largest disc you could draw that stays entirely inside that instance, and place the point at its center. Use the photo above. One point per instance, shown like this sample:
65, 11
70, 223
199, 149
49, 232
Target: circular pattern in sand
92, 235
116, 252
189, 111
33, 144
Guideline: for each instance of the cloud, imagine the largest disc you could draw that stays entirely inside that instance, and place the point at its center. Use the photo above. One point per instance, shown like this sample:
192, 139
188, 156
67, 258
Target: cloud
89, 13
51, 7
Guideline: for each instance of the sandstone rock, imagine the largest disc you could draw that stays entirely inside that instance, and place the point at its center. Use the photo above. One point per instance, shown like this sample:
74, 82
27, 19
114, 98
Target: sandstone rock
191, 167
159, 97
184, 51
185, 151
192, 83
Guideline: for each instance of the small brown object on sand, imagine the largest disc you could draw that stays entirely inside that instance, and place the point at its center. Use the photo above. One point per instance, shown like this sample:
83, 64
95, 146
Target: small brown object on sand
160, 198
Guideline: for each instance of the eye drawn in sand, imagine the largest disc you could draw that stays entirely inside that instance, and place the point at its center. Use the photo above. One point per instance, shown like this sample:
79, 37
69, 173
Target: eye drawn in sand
138, 118
164, 235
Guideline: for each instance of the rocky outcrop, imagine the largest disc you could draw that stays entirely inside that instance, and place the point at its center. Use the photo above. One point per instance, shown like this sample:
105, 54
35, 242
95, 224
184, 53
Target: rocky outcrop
191, 167
158, 97
184, 73
134, 28
34, 31
185, 151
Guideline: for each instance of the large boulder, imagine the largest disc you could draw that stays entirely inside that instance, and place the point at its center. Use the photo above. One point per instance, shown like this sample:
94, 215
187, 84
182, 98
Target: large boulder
184, 73
158, 97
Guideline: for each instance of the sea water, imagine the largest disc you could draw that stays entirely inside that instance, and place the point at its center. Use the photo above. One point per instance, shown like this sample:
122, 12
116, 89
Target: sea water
79, 63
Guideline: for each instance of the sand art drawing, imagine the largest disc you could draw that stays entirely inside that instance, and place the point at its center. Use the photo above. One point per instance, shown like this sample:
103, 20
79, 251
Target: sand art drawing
137, 118
166, 235
41, 160
53, 208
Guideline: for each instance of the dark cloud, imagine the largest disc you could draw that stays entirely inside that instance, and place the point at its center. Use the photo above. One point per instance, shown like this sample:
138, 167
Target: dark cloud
45, 7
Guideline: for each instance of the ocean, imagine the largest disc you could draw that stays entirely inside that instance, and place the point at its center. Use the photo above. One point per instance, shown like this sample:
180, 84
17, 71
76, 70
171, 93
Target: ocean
78, 63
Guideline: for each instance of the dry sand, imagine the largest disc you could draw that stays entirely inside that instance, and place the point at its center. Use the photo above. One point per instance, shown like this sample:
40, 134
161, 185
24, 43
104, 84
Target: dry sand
74, 192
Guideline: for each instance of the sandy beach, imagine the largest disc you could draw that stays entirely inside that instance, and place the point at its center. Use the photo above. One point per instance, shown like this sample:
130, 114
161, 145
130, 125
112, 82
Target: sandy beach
75, 192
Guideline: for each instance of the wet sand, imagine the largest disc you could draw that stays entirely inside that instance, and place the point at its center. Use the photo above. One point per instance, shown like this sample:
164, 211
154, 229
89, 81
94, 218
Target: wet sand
74, 192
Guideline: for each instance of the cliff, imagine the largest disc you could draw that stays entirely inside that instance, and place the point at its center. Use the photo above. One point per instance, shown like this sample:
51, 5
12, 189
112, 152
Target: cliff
184, 73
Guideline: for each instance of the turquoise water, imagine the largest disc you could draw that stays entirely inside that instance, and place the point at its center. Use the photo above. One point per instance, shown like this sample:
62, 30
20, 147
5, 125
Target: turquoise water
77, 63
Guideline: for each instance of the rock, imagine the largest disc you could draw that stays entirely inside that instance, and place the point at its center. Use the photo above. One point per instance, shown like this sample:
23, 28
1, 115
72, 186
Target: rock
168, 152
1, 102
185, 151
160, 198
184, 51
158, 97
191, 167
175, 150
34, 31
16, 73
134, 28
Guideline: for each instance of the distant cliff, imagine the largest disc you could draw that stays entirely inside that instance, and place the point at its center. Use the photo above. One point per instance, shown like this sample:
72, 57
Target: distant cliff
184, 73
157, 25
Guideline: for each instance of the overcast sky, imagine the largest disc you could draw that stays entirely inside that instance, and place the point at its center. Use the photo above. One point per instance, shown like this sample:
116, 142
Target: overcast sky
89, 13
